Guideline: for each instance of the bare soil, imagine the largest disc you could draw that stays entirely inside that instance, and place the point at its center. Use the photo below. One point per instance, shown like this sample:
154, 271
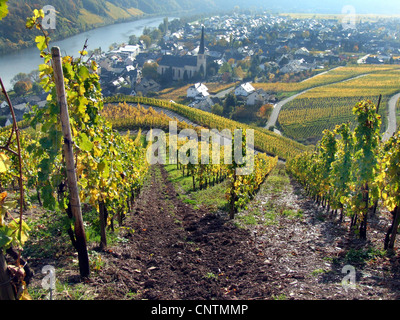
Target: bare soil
177, 252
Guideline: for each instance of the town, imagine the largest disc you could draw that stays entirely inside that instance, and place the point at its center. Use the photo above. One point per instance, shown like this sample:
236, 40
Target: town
237, 49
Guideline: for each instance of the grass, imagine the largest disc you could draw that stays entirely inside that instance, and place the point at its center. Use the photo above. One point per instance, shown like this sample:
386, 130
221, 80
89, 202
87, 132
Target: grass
398, 112
213, 197
360, 256
318, 272
267, 208
63, 291
50, 244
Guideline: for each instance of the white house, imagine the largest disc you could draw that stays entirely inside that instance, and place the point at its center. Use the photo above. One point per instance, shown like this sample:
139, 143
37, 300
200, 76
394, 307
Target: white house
4, 104
204, 104
197, 91
258, 96
119, 82
244, 89
302, 51
130, 50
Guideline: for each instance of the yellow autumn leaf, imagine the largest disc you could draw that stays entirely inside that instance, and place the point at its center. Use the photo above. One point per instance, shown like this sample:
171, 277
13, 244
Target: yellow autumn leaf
25, 295
5, 163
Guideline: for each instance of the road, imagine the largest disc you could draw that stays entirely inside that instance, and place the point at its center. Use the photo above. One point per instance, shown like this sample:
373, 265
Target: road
277, 107
223, 93
392, 117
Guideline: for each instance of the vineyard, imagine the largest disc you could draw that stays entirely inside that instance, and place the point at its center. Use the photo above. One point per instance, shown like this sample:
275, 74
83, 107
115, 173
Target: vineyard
128, 117
264, 140
71, 157
332, 76
304, 118
355, 172
97, 196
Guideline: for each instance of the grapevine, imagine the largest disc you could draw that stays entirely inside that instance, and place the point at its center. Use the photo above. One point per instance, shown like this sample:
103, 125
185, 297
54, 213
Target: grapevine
346, 169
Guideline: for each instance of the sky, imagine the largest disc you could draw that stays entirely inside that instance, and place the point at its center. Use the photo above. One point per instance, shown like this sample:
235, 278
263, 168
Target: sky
324, 6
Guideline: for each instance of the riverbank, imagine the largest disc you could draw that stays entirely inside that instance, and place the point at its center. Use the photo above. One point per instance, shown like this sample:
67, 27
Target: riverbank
58, 37
29, 59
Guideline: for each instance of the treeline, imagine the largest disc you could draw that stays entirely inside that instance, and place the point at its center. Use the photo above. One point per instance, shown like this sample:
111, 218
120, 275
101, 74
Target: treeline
74, 16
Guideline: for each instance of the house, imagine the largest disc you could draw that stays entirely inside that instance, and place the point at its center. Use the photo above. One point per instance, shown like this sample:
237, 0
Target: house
119, 82
19, 111
181, 67
4, 104
204, 104
129, 50
197, 91
244, 89
257, 97
302, 52
373, 60
147, 85
295, 66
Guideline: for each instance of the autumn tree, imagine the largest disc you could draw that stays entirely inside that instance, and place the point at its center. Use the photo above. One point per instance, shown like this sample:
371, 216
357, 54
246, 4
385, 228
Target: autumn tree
22, 87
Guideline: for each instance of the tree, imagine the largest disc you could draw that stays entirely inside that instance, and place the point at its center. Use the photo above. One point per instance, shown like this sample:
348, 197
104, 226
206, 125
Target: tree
150, 70
19, 77
226, 67
217, 109
133, 40
265, 110
229, 104
238, 72
306, 34
34, 75
146, 40
155, 35
36, 88
22, 87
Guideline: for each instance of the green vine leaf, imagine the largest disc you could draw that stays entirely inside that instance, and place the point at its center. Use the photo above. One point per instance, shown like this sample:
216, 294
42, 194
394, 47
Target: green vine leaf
5, 239
85, 144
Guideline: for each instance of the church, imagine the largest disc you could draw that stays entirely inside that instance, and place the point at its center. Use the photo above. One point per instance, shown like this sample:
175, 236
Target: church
187, 66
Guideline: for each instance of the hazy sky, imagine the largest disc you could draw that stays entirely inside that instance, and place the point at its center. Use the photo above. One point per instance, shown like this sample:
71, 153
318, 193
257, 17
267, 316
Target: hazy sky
324, 6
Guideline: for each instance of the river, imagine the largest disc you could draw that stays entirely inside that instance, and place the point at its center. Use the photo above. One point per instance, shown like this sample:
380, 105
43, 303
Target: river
28, 59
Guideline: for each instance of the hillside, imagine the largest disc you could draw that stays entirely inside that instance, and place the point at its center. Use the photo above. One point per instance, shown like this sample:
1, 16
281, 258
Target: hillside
74, 16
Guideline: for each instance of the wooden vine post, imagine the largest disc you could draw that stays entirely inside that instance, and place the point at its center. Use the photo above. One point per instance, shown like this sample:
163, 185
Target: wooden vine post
6, 289
74, 200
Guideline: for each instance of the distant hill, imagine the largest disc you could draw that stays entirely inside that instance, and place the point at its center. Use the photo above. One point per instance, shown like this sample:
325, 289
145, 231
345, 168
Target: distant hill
74, 16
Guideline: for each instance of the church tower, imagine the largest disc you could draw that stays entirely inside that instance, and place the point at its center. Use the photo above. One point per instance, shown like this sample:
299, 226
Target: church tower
201, 56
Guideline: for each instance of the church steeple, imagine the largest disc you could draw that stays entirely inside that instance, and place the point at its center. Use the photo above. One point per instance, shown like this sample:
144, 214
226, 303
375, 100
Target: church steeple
201, 56
201, 49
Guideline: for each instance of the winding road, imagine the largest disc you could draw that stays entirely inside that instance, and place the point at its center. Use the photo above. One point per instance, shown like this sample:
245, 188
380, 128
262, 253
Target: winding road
277, 107
392, 117
391, 106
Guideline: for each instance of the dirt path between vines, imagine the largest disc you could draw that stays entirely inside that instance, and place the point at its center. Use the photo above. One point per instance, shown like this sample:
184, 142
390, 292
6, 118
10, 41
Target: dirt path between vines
310, 252
177, 252
282, 247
